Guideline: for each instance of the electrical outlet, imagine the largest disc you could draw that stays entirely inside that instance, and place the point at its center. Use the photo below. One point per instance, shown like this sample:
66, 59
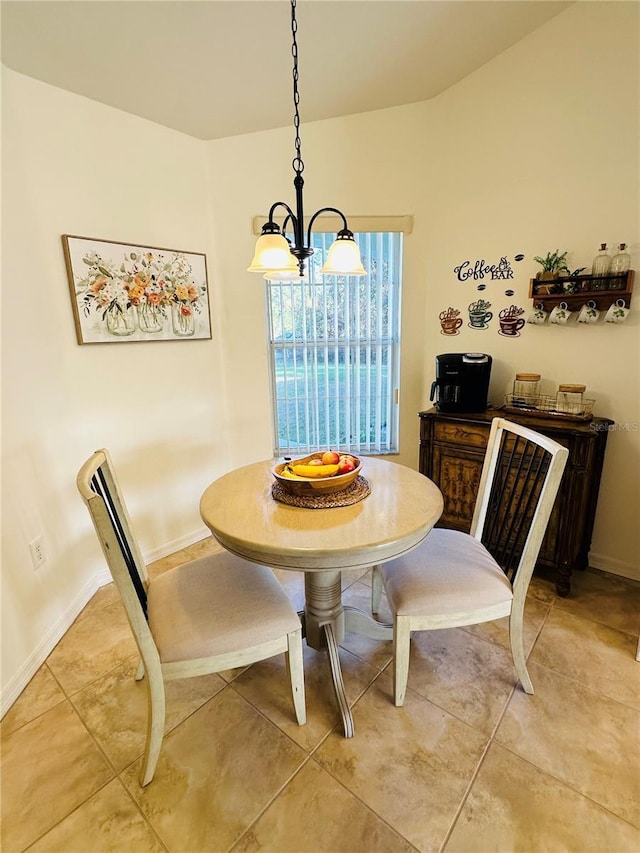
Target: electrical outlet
38, 557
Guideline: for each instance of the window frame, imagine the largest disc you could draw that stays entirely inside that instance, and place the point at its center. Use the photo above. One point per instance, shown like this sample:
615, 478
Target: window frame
383, 346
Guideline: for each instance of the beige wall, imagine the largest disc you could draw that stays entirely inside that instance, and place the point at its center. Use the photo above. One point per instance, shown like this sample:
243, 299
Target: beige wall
539, 150
73, 166
523, 156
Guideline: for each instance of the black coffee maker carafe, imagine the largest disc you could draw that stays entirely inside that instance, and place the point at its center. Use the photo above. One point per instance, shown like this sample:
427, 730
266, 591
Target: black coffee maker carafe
462, 382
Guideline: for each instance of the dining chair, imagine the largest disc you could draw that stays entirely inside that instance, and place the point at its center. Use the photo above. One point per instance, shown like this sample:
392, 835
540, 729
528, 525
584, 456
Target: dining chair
208, 615
453, 578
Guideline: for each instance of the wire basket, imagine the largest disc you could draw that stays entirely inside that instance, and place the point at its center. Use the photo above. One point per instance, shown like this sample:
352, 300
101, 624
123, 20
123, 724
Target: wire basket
548, 406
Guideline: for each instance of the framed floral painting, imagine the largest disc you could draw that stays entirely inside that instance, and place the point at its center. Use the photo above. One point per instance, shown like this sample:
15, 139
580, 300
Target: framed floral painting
123, 292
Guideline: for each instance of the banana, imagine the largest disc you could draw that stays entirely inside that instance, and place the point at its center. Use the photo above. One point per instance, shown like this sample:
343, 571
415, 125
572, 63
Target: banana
288, 473
314, 472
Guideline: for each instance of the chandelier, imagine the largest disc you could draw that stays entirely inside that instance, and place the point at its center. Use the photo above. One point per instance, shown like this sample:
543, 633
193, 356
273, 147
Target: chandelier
275, 255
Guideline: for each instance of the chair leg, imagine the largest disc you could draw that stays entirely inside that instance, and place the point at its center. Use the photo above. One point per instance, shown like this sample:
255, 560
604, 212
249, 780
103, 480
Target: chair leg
376, 589
295, 668
155, 727
401, 649
516, 637
140, 670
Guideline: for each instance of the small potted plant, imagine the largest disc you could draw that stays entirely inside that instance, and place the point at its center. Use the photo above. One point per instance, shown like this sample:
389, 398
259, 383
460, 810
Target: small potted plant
552, 265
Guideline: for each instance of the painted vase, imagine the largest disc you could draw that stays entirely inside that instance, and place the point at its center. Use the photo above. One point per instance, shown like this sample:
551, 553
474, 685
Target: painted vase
120, 321
182, 319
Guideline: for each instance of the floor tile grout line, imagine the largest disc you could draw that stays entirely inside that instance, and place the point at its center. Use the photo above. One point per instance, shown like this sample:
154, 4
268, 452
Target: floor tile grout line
75, 691
566, 784
65, 817
165, 734
591, 690
570, 613
64, 698
465, 795
66, 695
137, 805
363, 803
443, 710
117, 775
129, 796
271, 801
311, 758
491, 740
536, 639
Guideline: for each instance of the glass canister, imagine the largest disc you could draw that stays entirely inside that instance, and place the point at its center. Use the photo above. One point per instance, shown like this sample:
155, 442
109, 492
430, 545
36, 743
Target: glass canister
526, 390
570, 399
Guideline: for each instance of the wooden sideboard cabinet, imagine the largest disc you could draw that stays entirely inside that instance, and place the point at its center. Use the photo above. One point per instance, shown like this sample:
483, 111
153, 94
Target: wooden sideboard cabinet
452, 449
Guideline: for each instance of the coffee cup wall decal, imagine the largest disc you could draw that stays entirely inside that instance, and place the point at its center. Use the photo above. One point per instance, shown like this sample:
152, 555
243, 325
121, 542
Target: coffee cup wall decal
479, 314
511, 321
450, 321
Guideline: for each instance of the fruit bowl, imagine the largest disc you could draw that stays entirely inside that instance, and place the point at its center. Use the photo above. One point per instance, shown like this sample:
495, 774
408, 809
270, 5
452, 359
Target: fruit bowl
319, 485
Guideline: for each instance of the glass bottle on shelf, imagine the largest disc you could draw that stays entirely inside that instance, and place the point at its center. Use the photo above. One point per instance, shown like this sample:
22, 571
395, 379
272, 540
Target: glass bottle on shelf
621, 262
600, 266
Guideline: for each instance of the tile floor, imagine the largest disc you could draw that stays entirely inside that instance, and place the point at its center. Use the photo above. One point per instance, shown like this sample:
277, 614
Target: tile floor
470, 763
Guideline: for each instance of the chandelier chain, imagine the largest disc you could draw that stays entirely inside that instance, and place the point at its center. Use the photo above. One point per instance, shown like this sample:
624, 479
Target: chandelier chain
298, 164
274, 249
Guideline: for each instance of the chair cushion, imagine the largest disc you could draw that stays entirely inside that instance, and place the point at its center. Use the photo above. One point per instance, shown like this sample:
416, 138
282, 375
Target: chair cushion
215, 605
448, 572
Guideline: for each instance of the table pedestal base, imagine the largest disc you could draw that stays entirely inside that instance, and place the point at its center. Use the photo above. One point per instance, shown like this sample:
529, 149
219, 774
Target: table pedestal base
325, 623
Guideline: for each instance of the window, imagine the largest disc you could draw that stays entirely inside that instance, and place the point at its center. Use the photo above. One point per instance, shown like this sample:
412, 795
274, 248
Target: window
335, 352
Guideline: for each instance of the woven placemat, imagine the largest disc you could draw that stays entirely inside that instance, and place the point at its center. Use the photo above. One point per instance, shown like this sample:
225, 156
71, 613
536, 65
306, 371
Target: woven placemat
357, 491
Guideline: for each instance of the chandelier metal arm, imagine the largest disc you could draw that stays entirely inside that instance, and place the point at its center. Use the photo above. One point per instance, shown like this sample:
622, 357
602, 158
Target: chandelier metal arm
326, 210
272, 210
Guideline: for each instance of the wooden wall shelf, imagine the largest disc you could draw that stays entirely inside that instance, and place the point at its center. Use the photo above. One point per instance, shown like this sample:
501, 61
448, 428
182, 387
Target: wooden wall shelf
604, 290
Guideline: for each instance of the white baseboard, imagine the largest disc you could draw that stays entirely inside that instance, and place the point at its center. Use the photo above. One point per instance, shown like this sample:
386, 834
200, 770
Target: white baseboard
16, 685
613, 566
177, 544
23, 676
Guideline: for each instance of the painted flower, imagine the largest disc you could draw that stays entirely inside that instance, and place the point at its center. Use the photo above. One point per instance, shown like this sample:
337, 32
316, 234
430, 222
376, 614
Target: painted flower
150, 281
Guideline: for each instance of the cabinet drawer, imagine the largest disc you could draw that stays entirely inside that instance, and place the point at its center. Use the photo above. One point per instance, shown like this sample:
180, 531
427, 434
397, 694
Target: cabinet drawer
468, 435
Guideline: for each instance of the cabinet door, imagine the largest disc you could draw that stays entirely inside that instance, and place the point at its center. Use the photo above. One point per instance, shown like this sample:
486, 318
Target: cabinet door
457, 473
548, 555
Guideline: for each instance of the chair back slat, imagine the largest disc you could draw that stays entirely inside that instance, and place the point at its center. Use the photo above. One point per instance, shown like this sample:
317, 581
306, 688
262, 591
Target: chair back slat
100, 491
101, 487
525, 502
519, 483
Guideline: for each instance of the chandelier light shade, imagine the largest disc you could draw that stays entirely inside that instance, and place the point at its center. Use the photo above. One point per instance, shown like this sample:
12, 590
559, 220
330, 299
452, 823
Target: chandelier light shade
275, 256
343, 257
287, 275
273, 252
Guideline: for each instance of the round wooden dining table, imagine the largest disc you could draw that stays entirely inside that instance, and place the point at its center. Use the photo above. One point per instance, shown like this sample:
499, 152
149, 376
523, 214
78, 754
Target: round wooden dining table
398, 512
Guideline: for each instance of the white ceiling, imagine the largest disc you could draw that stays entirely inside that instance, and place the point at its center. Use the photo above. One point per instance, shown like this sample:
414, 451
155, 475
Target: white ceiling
214, 68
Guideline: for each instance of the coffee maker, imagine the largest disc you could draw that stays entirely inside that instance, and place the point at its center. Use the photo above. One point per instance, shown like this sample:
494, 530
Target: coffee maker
462, 382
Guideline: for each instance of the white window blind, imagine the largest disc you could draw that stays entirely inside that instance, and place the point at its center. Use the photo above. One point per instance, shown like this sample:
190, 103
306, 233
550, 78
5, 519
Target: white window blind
335, 348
